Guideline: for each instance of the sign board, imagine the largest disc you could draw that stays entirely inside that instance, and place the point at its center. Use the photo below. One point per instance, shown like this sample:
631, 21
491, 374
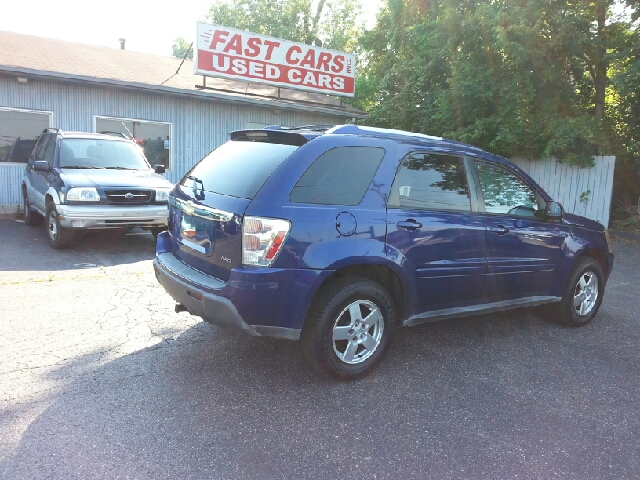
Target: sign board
230, 53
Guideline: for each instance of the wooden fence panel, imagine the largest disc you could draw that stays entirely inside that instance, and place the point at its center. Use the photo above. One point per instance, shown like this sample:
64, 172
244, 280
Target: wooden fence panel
583, 191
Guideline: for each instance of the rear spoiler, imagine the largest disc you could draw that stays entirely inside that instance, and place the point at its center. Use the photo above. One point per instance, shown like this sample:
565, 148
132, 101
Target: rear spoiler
269, 136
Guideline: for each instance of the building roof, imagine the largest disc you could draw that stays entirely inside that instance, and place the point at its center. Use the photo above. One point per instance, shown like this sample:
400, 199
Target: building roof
29, 55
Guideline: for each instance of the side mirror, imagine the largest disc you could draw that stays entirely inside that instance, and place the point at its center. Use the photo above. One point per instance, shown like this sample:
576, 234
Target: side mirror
553, 211
41, 166
159, 168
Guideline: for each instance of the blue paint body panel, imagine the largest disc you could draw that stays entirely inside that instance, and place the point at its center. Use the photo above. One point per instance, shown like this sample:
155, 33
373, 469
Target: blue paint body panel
441, 260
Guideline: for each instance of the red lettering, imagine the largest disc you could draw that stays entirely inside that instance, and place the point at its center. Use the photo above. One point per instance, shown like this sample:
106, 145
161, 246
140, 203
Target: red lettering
253, 49
338, 64
323, 61
290, 52
234, 45
270, 46
219, 36
309, 59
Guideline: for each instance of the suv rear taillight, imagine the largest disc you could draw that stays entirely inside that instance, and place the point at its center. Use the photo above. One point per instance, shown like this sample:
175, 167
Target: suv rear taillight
262, 239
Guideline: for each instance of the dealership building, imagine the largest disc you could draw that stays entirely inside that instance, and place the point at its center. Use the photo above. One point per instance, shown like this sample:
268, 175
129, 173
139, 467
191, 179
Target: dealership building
175, 115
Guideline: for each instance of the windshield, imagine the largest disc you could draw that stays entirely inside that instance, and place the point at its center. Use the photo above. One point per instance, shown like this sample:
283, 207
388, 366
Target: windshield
238, 168
101, 153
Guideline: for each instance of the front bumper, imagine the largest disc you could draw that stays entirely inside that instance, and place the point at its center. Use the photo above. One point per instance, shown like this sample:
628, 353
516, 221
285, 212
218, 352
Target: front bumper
215, 300
109, 216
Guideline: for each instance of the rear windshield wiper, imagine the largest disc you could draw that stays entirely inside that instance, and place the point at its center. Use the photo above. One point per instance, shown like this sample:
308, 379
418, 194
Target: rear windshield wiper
81, 166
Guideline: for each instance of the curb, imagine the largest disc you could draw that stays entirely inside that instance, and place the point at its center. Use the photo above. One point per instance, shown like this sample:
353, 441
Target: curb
9, 212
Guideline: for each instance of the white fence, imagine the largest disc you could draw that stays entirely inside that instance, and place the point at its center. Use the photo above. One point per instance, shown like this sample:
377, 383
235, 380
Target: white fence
583, 191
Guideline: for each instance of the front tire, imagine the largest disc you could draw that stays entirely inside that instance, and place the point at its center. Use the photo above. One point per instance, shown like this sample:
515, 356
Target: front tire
30, 217
349, 328
583, 293
59, 237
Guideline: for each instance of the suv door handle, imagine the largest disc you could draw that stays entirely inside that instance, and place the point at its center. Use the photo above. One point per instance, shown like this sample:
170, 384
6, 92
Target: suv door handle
409, 224
500, 230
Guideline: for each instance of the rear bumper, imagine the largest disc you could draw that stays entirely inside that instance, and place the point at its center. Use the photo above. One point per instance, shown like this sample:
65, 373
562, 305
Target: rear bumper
108, 216
257, 303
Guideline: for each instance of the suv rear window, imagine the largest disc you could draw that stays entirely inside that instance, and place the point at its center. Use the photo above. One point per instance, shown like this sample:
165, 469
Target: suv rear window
340, 176
238, 168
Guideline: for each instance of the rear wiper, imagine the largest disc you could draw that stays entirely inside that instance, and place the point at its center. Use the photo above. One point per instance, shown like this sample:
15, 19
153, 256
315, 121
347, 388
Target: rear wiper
196, 181
81, 166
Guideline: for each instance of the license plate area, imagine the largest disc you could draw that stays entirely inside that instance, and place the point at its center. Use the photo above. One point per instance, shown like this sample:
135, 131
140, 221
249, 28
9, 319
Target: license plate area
197, 233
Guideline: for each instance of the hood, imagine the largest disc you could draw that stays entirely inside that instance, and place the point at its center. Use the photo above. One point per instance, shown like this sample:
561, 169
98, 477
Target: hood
578, 221
114, 178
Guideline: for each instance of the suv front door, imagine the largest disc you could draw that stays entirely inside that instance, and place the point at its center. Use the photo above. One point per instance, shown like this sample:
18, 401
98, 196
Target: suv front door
38, 181
523, 250
432, 221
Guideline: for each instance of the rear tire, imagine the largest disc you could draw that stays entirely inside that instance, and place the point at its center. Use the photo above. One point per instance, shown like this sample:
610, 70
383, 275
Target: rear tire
349, 328
59, 237
583, 293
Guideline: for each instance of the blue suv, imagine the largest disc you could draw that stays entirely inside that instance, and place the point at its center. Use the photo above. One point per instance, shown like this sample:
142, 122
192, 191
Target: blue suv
338, 235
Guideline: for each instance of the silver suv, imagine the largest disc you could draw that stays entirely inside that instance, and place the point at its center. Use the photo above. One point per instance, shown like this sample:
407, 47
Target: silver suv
80, 181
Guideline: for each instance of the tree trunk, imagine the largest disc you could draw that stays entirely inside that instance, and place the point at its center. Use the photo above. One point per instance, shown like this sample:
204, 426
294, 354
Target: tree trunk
601, 63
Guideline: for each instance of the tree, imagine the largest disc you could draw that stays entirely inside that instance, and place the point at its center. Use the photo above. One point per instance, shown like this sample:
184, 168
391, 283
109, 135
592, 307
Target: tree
180, 47
328, 23
518, 77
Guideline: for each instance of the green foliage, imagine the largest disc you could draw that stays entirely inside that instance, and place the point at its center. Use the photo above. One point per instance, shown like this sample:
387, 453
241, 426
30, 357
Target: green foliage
517, 77
180, 47
330, 23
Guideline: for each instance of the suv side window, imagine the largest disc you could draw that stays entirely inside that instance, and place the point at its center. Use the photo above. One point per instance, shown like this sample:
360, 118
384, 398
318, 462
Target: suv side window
431, 181
505, 192
340, 176
41, 147
50, 150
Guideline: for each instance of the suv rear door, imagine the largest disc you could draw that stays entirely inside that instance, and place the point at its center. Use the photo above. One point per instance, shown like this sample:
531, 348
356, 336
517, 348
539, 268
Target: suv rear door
432, 220
207, 207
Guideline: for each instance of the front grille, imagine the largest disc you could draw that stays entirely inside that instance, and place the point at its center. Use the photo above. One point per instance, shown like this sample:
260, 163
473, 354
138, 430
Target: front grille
128, 197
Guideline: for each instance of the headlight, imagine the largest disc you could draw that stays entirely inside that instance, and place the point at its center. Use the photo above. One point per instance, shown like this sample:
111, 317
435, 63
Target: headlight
162, 194
87, 194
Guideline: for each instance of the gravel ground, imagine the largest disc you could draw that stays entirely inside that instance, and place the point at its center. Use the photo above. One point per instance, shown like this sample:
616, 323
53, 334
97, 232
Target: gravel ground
99, 378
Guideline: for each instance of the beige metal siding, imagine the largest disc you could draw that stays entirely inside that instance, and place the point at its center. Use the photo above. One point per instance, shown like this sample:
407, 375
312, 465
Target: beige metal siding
198, 126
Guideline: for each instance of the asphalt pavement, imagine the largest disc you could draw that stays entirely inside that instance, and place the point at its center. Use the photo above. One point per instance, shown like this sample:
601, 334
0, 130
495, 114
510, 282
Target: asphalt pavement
101, 379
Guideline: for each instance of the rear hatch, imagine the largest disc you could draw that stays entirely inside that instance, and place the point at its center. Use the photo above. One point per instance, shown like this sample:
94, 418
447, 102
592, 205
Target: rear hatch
207, 206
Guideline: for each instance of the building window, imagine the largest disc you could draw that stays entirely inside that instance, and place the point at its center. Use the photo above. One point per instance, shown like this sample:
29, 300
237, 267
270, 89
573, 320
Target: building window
19, 130
154, 137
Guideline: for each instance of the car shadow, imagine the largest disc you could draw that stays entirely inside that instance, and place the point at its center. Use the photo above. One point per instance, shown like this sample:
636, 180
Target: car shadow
485, 396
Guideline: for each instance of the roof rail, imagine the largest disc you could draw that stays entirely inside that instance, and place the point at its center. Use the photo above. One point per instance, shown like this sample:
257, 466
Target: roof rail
119, 134
365, 130
309, 128
51, 130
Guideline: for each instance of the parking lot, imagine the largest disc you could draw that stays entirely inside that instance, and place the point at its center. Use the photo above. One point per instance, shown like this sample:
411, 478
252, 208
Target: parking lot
99, 378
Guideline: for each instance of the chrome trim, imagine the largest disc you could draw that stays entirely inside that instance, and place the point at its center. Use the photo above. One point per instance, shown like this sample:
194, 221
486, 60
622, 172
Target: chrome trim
201, 211
437, 315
